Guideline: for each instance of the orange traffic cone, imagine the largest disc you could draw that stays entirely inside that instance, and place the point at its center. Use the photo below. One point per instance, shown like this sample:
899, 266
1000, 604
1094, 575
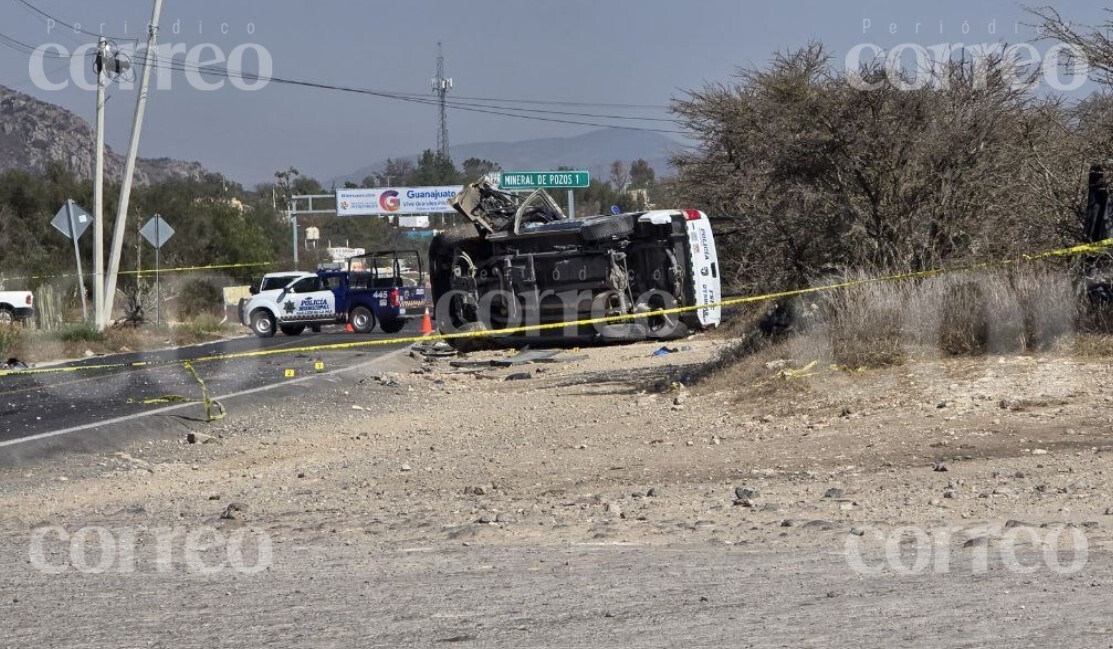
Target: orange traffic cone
349, 329
426, 324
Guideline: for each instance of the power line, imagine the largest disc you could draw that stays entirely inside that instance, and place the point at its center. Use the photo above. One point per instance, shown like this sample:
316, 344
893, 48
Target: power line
412, 96
73, 26
24, 48
562, 112
554, 102
474, 108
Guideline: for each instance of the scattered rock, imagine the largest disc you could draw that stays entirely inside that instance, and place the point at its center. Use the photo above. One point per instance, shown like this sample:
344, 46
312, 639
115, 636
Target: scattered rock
746, 493
519, 376
235, 512
857, 531
833, 493
787, 523
976, 542
199, 438
940, 467
1012, 524
406, 467
653, 492
1039, 451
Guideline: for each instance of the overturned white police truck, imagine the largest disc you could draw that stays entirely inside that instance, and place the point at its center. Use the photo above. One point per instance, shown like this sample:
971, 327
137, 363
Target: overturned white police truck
524, 263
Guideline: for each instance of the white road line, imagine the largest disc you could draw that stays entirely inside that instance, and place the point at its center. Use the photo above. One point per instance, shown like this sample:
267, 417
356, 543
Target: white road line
160, 411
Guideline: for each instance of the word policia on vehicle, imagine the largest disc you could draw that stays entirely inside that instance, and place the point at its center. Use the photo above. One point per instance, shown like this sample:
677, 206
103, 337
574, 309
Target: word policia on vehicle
383, 287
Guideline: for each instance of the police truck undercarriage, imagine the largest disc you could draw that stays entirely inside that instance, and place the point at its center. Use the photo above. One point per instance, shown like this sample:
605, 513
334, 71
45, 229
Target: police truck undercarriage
524, 262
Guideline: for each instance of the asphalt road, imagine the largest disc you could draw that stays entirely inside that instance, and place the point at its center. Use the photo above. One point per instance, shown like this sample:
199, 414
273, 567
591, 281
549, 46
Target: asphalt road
37, 404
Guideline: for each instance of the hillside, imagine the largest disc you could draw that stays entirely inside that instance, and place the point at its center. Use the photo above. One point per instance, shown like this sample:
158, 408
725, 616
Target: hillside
594, 151
34, 133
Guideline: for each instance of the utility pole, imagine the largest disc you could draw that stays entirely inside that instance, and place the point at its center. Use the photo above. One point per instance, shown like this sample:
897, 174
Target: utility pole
99, 315
129, 166
441, 86
294, 228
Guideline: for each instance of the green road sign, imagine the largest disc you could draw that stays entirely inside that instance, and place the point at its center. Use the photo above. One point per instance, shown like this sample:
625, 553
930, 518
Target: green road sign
514, 180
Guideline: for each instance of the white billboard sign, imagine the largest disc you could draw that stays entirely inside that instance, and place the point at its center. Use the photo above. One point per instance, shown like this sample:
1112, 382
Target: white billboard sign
413, 221
391, 201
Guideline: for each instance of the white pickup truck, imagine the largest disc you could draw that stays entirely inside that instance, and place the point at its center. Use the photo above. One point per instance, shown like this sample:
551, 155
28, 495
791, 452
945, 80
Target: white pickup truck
16, 306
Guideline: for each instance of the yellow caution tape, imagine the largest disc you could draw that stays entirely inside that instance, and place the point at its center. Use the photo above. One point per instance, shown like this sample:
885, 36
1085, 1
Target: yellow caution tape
170, 398
803, 372
1089, 248
214, 410
181, 269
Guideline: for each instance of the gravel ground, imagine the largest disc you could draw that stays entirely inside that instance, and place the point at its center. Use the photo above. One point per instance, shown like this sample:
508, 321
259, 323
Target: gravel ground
598, 503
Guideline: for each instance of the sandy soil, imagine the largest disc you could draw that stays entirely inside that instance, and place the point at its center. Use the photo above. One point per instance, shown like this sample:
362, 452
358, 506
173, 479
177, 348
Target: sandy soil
415, 502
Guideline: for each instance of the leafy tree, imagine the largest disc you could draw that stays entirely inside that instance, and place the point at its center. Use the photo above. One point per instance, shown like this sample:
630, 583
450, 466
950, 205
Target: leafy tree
396, 172
642, 175
476, 168
435, 169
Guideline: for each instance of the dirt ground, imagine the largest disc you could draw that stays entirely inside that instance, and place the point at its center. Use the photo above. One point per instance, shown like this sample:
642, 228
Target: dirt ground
600, 502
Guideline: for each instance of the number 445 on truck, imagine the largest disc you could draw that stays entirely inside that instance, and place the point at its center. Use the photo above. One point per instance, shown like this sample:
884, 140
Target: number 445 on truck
384, 288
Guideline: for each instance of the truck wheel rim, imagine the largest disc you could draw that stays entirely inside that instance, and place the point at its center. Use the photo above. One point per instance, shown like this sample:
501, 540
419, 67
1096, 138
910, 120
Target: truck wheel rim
6, 317
263, 324
359, 321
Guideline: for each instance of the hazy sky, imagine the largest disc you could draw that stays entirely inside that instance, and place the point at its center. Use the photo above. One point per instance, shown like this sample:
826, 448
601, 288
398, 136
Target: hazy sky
603, 51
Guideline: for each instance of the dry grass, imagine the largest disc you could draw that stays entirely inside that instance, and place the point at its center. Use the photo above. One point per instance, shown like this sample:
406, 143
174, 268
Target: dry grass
1015, 311
79, 340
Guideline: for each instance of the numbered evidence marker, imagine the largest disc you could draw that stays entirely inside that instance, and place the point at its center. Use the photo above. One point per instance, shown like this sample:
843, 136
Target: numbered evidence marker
318, 367
291, 373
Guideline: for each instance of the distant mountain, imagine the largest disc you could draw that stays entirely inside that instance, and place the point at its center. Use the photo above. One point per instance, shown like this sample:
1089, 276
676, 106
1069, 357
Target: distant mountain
34, 133
594, 151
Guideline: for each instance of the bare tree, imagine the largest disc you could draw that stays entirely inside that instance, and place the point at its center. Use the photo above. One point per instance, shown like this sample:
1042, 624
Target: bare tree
620, 176
807, 175
1093, 44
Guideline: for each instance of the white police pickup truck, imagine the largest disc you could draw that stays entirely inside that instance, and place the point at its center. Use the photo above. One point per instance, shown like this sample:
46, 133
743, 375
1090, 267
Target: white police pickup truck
16, 306
386, 288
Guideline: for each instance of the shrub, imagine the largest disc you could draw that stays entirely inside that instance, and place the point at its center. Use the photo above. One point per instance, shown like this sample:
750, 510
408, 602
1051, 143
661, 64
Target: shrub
199, 297
202, 325
10, 337
80, 332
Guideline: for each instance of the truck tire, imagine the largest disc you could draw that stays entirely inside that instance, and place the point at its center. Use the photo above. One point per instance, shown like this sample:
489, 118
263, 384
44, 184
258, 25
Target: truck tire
292, 330
362, 320
461, 236
315, 328
392, 326
469, 344
7, 316
607, 228
262, 323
